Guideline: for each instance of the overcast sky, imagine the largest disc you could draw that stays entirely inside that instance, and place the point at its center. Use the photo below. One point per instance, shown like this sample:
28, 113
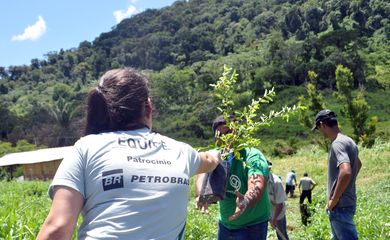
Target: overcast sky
32, 28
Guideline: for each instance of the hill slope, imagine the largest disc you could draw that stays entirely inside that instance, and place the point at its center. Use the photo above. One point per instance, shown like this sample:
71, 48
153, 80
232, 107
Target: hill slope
183, 48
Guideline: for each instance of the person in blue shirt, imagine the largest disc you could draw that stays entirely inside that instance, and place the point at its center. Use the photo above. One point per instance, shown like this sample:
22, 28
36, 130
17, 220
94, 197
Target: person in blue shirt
291, 183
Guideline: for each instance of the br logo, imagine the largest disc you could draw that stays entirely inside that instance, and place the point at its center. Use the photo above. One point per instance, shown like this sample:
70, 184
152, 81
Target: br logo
112, 179
235, 182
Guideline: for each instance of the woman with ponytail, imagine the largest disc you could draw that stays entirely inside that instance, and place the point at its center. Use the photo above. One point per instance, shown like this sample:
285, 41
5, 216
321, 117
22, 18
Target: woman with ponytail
127, 181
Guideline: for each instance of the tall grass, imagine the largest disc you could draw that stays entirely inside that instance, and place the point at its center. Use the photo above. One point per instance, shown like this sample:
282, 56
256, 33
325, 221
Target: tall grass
22, 208
24, 205
373, 191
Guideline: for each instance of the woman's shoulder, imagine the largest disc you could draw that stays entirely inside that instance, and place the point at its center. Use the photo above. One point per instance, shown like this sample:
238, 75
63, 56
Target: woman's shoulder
168, 140
93, 137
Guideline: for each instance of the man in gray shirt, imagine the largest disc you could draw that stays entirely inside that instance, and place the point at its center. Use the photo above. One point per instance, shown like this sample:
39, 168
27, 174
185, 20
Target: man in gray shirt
306, 185
343, 167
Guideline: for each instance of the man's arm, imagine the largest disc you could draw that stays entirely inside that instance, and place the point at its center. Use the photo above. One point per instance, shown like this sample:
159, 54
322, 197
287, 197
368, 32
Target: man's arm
299, 186
313, 184
295, 179
359, 163
256, 187
63, 215
280, 197
203, 207
278, 209
345, 174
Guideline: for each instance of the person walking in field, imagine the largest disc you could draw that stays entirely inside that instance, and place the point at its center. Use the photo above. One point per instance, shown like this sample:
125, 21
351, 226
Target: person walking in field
306, 185
291, 183
343, 167
127, 181
245, 211
277, 198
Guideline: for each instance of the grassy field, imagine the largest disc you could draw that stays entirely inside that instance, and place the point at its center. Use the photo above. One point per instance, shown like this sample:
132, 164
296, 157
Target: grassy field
24, 205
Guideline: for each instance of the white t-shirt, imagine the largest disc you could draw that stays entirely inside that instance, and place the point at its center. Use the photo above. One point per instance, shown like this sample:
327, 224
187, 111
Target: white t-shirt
289, 178
306, 183
276, 194
135, 184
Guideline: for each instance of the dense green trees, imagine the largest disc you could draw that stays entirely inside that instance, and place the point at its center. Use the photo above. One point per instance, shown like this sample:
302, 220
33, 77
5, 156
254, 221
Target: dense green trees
314, 102
7, 120
355, 107
183, 48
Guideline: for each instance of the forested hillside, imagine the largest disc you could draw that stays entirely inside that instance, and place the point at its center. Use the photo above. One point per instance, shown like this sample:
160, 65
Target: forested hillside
183, 49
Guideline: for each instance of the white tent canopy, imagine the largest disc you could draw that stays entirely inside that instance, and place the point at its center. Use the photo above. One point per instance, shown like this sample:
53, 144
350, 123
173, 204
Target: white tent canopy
41, 155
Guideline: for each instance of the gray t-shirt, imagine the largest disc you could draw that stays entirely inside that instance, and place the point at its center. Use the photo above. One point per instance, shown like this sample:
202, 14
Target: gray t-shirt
135, 184
306, 183
343, 150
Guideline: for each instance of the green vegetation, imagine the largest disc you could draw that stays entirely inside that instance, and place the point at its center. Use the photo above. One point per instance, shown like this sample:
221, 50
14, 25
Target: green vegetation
183, 49
246, 122
293, 46
372, 190
314, 101
25, 204
356, 108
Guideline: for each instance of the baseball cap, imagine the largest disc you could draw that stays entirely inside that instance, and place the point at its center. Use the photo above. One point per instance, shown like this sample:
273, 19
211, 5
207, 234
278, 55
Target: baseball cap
220, 120
323, 115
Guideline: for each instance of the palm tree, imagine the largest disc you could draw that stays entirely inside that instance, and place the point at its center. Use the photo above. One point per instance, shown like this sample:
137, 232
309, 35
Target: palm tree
63, 112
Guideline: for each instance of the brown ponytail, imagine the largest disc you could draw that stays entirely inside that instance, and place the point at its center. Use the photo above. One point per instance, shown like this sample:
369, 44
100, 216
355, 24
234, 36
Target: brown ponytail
98, 119
118, 103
